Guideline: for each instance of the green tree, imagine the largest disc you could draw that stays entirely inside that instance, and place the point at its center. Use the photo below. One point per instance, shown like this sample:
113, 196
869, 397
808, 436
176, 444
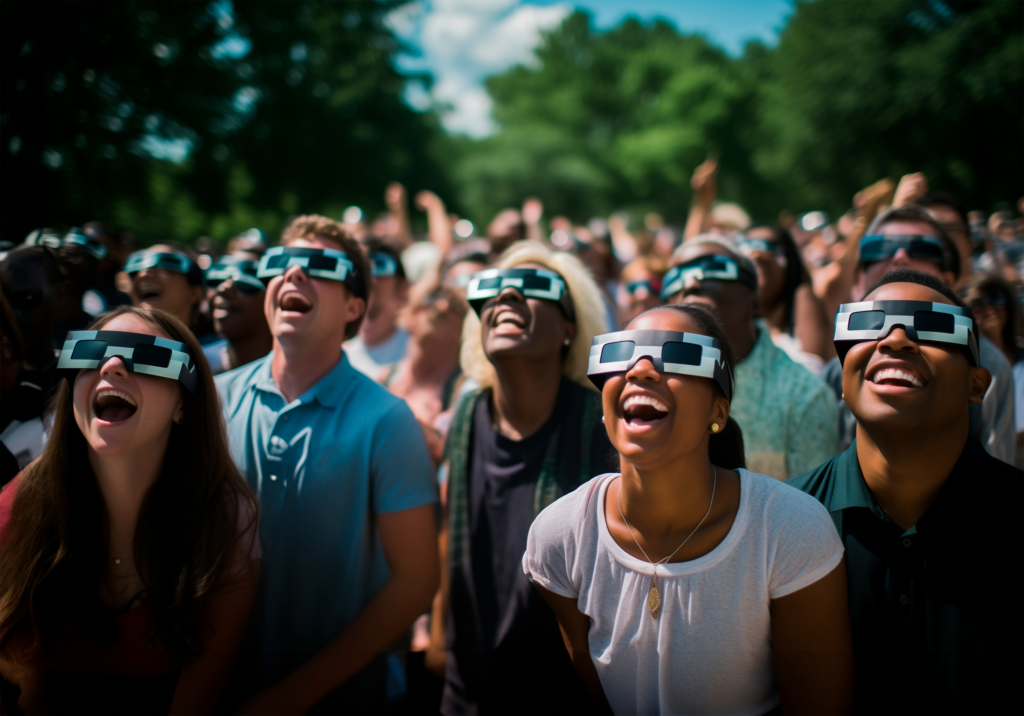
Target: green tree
856, 91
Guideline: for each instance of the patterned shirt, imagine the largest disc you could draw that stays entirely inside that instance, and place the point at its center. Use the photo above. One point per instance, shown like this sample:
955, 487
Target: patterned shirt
788, 416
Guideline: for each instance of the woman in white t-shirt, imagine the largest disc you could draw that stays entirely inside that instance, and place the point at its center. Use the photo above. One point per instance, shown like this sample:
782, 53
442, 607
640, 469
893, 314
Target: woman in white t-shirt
682, 586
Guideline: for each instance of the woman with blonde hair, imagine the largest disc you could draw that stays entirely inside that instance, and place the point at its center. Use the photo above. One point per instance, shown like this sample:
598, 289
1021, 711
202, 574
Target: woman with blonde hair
530, 434
129, 550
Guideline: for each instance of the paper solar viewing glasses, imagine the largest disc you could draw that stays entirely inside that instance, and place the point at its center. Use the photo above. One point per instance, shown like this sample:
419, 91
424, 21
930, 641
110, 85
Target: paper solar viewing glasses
241, 273
317, 263
669, 352
529, 282
880, 247
920, 320
75, 237
166, 260
140, 353
382, 264
711, 267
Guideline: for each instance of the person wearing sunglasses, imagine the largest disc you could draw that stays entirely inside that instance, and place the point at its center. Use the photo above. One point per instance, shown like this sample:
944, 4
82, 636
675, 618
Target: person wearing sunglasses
130, 549
530, 434
238, 317
684, 583
381, 340
167, 277
640, 287
788, 415
795, 317
910, 238
345, 484
930, 520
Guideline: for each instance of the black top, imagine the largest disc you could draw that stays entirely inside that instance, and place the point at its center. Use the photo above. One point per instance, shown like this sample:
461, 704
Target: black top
936, 610
506, 652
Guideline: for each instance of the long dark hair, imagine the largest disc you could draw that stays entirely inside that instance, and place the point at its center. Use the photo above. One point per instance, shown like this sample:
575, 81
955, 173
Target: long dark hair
725, 448
196, 520
796, 271
990, 286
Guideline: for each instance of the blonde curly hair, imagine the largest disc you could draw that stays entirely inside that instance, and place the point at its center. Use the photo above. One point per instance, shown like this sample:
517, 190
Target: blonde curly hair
586, 298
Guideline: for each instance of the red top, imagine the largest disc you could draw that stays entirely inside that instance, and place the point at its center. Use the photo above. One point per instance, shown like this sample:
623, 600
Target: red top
106, 676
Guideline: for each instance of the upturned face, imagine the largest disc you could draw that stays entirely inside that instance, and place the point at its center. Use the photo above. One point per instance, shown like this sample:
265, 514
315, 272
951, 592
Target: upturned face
898, 383
237, 312
655, 418
515, 327
313, 311
872, 273
771, 268
167, 290
120, 412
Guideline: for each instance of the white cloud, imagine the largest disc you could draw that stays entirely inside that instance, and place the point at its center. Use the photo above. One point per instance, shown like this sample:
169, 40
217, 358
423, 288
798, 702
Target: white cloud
463, 41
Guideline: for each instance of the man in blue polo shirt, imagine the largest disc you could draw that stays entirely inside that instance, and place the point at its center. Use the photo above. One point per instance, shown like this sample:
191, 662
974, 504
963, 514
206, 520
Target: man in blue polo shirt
345, 486
931, 522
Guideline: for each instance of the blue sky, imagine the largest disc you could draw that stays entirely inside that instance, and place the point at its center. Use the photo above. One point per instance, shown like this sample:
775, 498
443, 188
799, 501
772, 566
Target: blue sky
462, 41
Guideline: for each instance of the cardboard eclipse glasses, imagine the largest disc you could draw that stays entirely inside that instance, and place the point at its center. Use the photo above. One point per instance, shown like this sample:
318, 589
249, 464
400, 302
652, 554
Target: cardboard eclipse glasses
711, 267
530, 283
318, 263
921, 320
140, 353
880, 247
669, 352
241, 273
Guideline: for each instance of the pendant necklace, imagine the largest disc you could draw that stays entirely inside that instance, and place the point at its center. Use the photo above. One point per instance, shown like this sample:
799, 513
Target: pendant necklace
653, 596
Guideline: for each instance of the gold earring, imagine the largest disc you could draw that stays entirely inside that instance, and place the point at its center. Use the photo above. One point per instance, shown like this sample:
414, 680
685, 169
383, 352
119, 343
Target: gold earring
566, 342
714, 427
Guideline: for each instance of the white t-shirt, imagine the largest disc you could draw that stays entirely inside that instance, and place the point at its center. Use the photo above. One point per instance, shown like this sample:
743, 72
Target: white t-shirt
710, 649
372, 360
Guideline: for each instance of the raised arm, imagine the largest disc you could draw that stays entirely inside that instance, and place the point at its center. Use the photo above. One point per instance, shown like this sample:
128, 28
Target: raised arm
394, 198
705, 189
813, 647
409, 540
575, 627
439, 228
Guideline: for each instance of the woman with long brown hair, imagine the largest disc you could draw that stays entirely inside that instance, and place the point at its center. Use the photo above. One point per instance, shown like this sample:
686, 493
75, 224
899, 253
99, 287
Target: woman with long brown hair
128, 550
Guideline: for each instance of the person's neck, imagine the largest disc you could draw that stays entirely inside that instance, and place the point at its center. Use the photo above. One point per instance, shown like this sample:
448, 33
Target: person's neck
777, 319
123, 481
432, 365
525, 394
248, 348
744, 340
373, 333
297, 367
662, 500
905, 469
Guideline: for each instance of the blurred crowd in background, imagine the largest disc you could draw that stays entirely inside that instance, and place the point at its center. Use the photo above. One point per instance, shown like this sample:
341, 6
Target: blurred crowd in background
57, 280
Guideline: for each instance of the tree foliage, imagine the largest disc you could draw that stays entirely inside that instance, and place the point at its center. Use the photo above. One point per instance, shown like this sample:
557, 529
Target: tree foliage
283, 107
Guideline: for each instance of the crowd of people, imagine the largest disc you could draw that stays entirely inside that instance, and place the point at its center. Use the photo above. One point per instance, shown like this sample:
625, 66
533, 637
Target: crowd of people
610, 467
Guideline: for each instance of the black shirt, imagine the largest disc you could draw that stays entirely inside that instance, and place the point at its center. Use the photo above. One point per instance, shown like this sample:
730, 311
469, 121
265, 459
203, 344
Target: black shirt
507, 654
935, 609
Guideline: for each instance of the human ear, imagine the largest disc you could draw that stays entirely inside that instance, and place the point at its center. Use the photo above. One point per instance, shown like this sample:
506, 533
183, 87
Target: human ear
198, 293
979, 380
179, 412
356, 307
719, 413
570, 332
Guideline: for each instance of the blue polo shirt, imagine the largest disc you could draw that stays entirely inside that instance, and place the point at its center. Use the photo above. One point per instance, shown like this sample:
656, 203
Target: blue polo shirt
322, 466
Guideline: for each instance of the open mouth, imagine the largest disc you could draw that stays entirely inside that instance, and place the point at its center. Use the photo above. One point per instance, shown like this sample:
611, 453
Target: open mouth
896, 377
509, 318
641, 410
295, 303
113, 406
148, 291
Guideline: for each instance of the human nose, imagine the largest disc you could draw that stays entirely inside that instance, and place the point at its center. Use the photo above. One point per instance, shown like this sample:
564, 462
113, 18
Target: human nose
898, 342
644, 369
114, 367
295, 274
900, 258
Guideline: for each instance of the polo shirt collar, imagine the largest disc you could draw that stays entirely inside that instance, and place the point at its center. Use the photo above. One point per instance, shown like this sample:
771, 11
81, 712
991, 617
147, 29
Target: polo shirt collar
329, 391
850, 490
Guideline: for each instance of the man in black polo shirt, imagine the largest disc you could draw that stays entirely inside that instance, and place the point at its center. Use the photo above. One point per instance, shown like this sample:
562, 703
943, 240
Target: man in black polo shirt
931, 522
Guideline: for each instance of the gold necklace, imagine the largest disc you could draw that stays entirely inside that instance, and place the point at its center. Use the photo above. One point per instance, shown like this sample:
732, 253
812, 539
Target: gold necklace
653, 596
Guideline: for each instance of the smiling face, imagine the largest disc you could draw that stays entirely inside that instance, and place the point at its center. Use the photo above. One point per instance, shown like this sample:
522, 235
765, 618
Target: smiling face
237, 314
167, 290
899, 384
120, 412
656, 418
310, 311
771, 269
514, 327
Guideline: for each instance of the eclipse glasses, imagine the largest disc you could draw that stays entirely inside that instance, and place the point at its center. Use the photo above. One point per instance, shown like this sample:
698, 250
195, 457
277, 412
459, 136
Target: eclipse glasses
920, 320
530, 283
879, 247
712, 267
140, 353
318, 263
669, 352
176, 263
242, 274
382, 264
